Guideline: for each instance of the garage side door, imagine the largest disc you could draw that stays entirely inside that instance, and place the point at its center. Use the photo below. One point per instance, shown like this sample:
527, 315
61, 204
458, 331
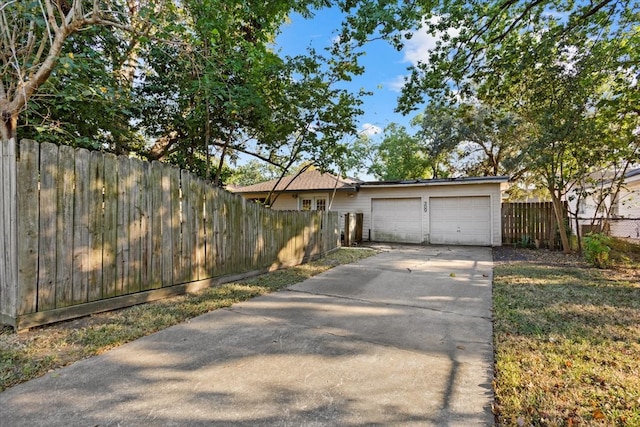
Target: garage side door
396, 220
460, 220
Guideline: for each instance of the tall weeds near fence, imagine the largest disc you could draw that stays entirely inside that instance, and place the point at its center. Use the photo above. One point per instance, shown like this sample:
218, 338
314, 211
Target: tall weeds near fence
93, 231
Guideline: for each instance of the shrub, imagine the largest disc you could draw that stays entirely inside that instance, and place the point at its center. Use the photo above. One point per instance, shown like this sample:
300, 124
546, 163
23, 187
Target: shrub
596, 249
525, 242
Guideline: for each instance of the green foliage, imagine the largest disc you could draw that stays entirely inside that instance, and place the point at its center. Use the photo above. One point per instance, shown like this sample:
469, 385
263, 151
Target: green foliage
61, 55
525, 242
180, 81
472, 139
401, 156
224, 91
252, 172
596, 249
81, 104
360, 155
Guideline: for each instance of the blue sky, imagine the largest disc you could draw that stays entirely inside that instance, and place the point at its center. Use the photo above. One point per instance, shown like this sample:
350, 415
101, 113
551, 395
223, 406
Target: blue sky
385, 66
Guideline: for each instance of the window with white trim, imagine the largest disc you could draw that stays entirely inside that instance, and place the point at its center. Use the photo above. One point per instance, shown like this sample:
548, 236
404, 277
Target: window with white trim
313, 203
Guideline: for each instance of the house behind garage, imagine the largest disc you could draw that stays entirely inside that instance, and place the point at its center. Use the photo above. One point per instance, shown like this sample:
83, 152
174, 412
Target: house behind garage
456, 211
624, 207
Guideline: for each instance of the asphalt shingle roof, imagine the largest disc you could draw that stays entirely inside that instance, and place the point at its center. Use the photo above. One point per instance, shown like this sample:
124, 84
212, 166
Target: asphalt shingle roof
308, 180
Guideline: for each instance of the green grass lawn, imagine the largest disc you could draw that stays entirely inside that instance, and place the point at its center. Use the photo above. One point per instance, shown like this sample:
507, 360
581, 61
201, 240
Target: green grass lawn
31, 354
567, 342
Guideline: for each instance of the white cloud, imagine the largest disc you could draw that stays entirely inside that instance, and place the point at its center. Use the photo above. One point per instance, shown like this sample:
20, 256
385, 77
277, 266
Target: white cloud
396, 84
418, 47
370, 129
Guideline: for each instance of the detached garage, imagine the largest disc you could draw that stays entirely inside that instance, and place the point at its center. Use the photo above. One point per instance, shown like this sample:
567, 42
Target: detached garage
457, 211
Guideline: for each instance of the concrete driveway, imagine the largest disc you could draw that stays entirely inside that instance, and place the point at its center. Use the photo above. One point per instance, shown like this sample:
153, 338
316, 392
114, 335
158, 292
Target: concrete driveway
400, 339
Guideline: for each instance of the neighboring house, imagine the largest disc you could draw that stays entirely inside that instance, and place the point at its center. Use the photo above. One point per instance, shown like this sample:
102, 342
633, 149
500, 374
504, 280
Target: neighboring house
459, 211
625, 209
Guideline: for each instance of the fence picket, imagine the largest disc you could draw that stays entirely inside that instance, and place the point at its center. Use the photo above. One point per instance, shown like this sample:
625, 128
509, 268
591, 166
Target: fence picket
123, 225
176, 224
209, 230
48, 225
224, 247
28, 248
158, 215
64, 232
134, 223
96, 226
146, 222
167, 232
80, 268
186, 249
195, 190
110, 227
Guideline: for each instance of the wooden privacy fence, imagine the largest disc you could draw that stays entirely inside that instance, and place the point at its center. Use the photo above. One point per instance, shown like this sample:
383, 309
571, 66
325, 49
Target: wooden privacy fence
530, 224
87, 231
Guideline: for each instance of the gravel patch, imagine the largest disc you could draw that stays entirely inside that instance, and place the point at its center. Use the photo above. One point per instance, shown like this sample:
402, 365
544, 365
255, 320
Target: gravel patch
509, 254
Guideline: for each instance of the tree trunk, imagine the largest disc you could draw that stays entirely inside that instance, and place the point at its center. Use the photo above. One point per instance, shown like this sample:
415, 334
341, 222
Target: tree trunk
162, 146
8, 125
558, 209
577, 225
216, 180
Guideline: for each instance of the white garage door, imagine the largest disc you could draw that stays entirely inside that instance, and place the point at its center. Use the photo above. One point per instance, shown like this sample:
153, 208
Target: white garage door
460, 220
396, 220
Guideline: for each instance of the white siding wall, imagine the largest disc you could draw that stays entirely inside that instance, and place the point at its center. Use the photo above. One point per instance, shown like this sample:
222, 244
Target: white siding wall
630, 201
628, 209
344, 204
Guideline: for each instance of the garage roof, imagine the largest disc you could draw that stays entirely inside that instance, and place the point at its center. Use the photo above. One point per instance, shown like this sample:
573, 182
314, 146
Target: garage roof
438, 181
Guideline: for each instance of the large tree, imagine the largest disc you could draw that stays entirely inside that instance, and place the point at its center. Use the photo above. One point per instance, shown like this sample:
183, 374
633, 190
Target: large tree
473, 139
400, 155
565, 98
221, 91
192, 82
82, 103
32, 39
559, 67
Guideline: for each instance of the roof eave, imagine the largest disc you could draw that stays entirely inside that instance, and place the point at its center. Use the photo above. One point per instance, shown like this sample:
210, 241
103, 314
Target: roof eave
437, 182
300, 190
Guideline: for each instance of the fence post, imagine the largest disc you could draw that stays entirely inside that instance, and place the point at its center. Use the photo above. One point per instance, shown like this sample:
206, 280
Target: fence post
8, 233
